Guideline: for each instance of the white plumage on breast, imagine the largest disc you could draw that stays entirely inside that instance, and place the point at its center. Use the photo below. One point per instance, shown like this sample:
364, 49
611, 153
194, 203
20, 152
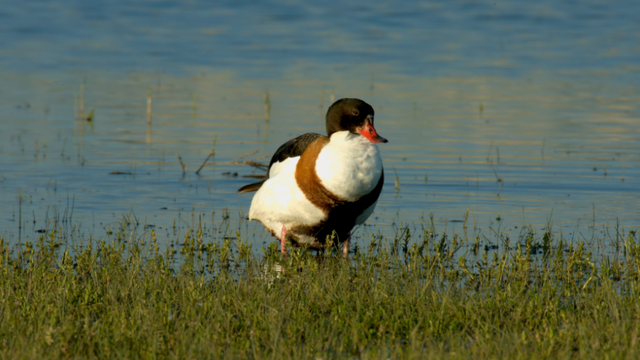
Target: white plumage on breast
349, 165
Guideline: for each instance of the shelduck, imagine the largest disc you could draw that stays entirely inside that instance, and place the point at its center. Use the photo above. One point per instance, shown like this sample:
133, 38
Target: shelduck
321, 186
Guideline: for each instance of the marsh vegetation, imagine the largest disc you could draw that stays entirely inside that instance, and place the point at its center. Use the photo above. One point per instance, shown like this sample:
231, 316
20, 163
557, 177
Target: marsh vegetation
415, 295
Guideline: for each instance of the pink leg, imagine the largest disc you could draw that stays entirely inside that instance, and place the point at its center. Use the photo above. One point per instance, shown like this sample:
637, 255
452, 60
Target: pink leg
345, 248
283, 240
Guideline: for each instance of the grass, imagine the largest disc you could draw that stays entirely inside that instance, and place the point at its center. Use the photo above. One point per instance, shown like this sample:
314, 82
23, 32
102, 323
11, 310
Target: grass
412, 296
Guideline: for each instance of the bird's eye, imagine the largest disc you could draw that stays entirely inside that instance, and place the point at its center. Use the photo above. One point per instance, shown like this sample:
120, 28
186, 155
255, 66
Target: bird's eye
355, 112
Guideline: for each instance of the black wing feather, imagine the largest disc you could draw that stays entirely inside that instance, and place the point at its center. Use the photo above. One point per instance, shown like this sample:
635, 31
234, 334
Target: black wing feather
292, 148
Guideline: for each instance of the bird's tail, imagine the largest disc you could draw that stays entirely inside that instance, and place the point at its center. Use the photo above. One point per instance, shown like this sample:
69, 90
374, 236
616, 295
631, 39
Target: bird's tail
251, 187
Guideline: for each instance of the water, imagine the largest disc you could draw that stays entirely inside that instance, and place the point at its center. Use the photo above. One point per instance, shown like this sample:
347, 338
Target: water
527, 113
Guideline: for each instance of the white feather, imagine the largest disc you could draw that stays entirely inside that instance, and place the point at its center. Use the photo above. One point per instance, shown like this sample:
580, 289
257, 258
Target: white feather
349, 165
280, 202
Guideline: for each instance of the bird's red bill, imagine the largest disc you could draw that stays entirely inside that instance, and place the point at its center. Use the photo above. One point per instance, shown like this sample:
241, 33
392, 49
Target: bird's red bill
370, 133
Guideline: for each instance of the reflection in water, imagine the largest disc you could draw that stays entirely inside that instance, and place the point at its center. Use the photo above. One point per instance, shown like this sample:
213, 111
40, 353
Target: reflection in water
520, 112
